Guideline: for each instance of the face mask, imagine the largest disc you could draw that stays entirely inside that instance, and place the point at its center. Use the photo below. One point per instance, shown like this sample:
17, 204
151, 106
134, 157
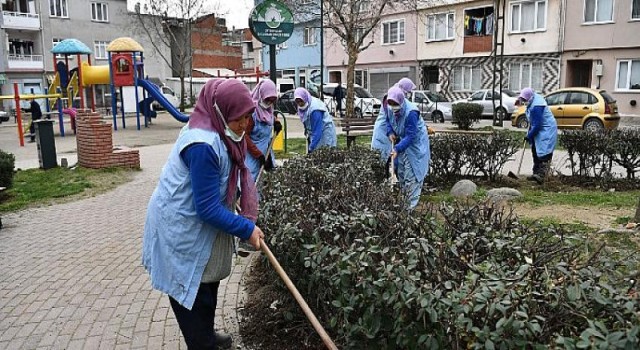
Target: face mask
395, 109
227, 130
265, 105
304, 106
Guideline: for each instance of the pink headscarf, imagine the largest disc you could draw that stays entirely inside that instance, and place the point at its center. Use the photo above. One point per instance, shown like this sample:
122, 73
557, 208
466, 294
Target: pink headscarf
406, 85
305, 96
234, 100
396, 95
265, 89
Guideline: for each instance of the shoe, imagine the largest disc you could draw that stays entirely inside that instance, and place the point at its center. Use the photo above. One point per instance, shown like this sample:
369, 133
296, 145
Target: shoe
531, 178
223, 341
539, 179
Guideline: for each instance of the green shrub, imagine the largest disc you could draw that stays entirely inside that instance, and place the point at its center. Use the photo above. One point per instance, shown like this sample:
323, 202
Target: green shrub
458, 155
379, 277
466, 114
7, 163
594, 153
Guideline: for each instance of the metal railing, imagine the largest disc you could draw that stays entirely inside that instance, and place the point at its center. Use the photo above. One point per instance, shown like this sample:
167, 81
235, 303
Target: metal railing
26, 58
20, 14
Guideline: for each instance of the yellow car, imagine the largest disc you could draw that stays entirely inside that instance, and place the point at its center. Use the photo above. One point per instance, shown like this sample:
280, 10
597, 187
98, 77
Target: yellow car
577, 108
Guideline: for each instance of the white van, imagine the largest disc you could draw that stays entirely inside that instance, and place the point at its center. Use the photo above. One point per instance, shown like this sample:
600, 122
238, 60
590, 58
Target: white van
284, 84
365, 105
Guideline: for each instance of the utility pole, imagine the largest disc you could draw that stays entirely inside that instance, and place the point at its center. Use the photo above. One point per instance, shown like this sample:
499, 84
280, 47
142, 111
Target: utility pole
499, 8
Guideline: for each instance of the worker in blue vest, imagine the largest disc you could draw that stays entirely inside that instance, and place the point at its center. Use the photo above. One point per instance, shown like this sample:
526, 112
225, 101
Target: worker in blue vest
543, 132
407, 132
318, 123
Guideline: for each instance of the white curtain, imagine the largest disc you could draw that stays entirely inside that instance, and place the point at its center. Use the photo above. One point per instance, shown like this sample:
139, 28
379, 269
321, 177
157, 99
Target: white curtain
634, 83
623, 71
441, 26
457, 79
476, 79
528, 16
605, 10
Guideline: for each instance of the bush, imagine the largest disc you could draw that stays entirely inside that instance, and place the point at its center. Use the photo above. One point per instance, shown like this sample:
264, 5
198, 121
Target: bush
7, 163
594, 153
457, 155
381, 278
466, 114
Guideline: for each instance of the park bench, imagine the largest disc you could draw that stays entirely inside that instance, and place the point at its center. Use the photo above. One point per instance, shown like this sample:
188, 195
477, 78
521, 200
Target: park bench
354, 127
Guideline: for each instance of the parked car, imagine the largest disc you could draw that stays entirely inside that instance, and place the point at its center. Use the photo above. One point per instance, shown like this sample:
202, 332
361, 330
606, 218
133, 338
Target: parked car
4, 116
485, 98
286, 103
364, 104
576, 108
432, 106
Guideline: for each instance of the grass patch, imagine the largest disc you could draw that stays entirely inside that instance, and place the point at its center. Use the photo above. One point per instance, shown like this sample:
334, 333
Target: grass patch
582, 198
297, 146
34, 187
622, 220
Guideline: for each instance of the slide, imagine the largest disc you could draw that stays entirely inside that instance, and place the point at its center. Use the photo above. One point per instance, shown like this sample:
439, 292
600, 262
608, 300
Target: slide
155, 92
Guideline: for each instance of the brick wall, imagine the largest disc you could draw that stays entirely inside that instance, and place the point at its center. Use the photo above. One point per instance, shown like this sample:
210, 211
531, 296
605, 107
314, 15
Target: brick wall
94, 140
208, 49
478, 44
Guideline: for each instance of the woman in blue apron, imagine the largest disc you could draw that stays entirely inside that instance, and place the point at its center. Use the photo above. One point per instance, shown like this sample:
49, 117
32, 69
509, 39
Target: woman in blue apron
318, 123
408, 133
261, 128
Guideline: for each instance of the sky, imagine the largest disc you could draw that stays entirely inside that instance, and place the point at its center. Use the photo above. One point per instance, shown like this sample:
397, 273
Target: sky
235, 11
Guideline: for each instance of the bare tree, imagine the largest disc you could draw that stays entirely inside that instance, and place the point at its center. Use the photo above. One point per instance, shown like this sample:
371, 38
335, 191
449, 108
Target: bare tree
171, 23
636, 219
355, 23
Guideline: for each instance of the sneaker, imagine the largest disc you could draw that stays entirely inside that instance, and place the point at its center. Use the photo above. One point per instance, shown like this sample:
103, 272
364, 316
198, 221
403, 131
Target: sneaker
223, 341
539, 179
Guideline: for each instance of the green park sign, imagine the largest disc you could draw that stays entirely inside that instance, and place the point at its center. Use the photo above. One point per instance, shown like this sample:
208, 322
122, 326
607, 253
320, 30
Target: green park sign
271, 22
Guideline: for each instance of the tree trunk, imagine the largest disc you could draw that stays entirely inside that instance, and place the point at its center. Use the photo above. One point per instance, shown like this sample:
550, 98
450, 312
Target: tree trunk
351, 66
182, 92
636, 219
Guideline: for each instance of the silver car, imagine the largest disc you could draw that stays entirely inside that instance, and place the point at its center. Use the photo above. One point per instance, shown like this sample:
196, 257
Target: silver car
485, 98
432, 106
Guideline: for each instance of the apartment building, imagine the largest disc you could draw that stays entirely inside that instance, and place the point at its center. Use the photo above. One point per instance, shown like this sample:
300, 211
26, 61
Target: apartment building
390, 56
32, 27
456, 42
602, 51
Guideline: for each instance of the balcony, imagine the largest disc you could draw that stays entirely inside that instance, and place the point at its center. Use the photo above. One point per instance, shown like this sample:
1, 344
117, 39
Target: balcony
482, 43
19, 20
25, 62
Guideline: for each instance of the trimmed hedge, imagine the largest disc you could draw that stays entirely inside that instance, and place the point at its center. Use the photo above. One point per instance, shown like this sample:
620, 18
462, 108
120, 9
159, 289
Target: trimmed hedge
459, 155
7, 163
380, 278
593, 154
466, 114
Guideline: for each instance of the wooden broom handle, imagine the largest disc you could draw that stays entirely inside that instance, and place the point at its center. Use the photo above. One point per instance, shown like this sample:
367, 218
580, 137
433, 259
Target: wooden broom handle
294, 291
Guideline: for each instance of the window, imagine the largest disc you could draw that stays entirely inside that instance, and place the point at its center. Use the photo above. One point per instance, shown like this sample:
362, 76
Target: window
556, 99
99, 12
309, 36
522, 75
56, 41
598, 11
100, 49
528, 16
363, 6
362, 78
635, 9
467, 78
628, 77
440, 26
359, 34
58, 8
393, 32
581, 98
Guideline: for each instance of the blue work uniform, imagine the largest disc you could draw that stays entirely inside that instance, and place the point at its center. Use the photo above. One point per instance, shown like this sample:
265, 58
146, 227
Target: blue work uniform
413, 150
261, 136
318, 126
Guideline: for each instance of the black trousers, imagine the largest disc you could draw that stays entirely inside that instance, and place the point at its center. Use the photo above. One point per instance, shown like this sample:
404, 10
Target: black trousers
197, 324
540, 164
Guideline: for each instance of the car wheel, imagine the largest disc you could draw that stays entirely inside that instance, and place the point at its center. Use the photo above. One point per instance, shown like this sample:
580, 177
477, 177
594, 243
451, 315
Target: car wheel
593, 125
502, 114
437, 117
522, 122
